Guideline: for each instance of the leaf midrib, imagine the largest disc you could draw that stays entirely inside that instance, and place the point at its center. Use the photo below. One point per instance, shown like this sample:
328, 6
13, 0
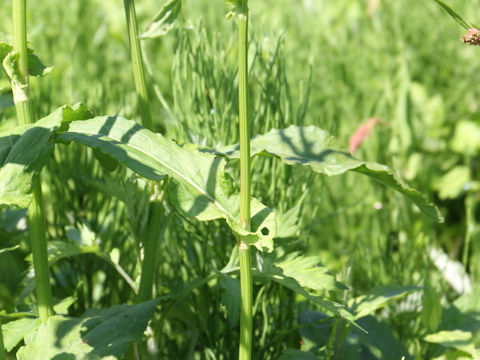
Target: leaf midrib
186, 179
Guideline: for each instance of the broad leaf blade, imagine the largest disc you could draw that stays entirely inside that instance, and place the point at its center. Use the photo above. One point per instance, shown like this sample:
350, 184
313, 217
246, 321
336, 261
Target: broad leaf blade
282, 272
25, 149
15, 331
99, 334
309, 272
314, 147
203, 190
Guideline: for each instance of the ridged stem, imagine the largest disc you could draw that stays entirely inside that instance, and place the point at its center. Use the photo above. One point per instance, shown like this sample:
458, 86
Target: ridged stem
137, 64
245, 350
153, 234
36, 218
155, 228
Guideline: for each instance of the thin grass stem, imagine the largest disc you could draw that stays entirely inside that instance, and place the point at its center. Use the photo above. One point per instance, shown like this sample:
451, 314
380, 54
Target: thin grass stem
137, 64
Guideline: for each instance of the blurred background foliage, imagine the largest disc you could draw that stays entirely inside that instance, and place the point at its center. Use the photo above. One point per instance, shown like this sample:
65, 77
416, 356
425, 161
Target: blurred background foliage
334, 64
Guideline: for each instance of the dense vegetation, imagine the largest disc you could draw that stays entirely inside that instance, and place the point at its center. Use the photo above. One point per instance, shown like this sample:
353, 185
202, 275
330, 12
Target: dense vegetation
143, 230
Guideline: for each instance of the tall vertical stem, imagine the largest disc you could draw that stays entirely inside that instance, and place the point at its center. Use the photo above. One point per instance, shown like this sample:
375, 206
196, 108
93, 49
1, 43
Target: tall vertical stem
245, 350
137, 63
153, 234
36, 218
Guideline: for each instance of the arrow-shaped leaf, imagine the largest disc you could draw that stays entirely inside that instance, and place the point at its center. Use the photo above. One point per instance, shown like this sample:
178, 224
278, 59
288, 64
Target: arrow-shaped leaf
313, 147
202, 190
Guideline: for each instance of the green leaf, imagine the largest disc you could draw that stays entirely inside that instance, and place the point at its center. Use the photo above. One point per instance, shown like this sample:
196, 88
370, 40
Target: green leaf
25, 149
454, 15
231, 298
202, 190
375, 299
458, 339
292, 354
36, 67
62, 307
15, 331
98, 334
314, 147
283, 271
58, 250
163, 21
308, 272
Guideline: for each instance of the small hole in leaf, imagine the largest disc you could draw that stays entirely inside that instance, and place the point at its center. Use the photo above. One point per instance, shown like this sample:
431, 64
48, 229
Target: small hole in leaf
265, 231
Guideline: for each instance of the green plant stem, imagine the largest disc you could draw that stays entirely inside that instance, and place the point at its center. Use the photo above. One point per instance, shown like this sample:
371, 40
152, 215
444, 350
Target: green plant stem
245, 350
36, 218
137, 63
153, 234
